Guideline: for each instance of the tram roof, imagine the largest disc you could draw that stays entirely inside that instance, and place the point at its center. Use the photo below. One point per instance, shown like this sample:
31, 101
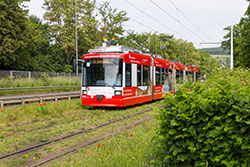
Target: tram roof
113, 49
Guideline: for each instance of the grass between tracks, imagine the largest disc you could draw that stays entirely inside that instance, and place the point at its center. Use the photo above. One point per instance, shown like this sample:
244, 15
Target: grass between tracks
130, 148
36, 123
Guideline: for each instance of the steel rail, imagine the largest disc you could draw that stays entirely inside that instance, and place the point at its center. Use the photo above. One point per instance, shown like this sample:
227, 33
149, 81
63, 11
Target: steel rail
70, 135
89, 143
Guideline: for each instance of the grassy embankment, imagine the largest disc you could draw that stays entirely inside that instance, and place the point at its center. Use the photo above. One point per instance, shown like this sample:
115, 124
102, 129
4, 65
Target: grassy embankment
31, 124
40, 82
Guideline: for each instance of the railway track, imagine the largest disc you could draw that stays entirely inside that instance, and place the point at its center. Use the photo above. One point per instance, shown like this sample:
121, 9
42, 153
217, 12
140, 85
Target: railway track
89, 143
70, 135
42, 127
26, 99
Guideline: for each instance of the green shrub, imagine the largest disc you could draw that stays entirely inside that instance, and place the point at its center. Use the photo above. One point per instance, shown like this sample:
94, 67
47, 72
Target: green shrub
206, 124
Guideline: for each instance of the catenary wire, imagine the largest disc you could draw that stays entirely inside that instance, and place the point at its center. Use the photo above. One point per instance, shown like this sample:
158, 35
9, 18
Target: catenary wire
137, 22
131, 4
176, 19
142, 24
189, 19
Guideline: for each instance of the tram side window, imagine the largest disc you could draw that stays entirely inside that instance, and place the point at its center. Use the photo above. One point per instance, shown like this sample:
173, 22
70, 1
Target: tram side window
170, 71
198, 75
177, 76
187, 76
190, 76
158, 76
146, 75
163, 75
139, 77
128, 73
181, 77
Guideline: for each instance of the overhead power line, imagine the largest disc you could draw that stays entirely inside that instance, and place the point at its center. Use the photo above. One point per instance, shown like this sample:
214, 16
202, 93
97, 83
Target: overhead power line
131, 4
137, 22
176, 20
189, 20
142, 24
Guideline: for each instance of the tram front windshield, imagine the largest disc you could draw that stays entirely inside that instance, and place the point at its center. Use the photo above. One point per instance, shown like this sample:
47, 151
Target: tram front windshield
103, 72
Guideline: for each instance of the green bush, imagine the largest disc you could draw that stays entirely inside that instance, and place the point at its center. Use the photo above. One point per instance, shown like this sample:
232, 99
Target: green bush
206, 124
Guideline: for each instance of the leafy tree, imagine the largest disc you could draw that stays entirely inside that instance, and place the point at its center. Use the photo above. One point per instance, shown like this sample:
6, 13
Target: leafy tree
207, 63
88, 28
137, 41
111, 20
61, 17
40, 48
13, 33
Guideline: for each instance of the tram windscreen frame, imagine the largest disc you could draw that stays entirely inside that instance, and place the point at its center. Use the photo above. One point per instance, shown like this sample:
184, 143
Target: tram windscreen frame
103, 72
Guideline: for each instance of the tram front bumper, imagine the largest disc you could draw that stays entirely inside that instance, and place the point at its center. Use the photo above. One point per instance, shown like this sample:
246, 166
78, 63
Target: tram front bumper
115, 101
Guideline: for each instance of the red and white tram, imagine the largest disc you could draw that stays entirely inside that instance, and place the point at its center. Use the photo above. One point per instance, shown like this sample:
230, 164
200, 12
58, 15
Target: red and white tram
119, 76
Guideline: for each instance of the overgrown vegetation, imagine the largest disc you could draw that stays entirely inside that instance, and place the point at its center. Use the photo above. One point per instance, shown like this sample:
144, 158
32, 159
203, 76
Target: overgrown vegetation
207, 124
39, 122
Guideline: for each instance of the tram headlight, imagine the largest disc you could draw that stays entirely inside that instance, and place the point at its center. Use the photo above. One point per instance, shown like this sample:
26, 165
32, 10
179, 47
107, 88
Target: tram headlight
118, 93
84, 92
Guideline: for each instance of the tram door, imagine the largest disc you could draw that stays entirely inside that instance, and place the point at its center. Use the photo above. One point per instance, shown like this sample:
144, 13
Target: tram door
143, 80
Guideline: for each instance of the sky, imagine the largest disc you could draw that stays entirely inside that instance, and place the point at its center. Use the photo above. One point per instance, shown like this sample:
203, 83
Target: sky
208, 17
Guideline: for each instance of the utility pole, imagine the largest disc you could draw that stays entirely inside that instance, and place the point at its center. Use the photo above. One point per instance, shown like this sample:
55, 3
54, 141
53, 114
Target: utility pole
156, 42
209, 65
184, 75
232, 48
76, 42
186, 54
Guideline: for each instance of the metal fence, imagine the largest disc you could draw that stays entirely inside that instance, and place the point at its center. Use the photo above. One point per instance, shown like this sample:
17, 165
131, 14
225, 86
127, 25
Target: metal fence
31, 74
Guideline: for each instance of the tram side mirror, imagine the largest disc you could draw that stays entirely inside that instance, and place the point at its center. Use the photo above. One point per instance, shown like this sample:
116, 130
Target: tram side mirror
86, 64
